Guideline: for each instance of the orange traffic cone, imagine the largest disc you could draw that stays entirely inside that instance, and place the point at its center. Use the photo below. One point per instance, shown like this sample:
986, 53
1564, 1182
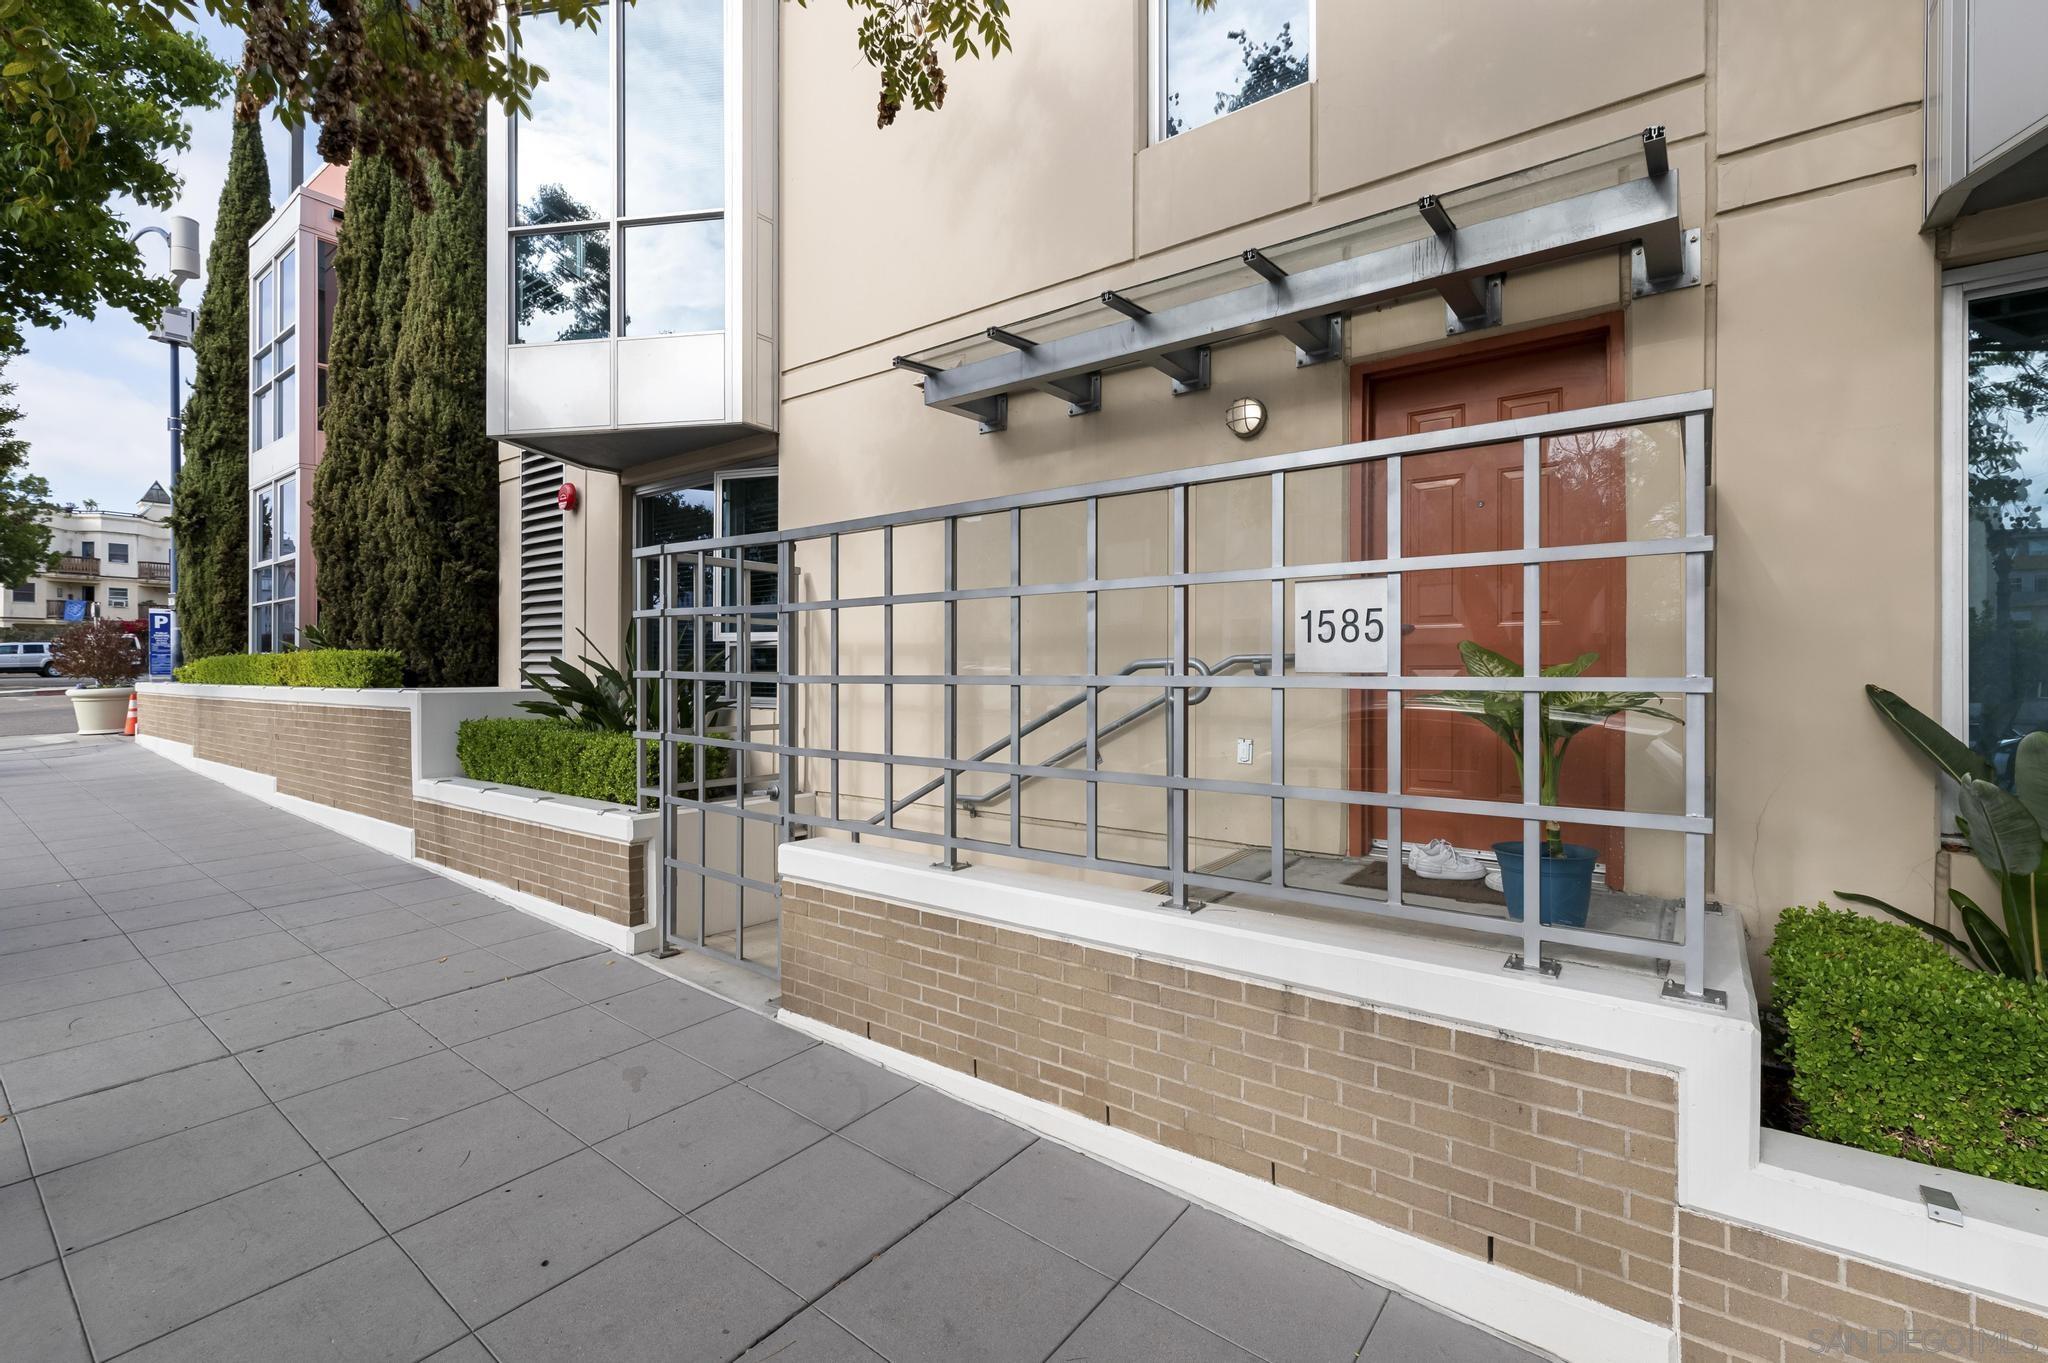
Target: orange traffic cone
134, 717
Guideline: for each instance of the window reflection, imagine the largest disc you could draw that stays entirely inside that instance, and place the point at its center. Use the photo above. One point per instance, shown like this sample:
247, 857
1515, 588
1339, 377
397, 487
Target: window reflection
2008, 542
1231, 56
675, 278
675, 98
565, 143
562, 286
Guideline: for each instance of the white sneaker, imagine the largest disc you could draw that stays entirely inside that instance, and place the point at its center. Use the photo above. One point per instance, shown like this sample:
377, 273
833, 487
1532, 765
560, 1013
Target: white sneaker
1493, 881
1440, 861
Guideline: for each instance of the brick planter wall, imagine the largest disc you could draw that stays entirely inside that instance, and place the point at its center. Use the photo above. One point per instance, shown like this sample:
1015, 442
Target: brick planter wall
359, 759
1552, 1163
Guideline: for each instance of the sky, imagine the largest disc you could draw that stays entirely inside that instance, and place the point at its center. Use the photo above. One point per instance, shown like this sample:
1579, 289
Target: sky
95, 394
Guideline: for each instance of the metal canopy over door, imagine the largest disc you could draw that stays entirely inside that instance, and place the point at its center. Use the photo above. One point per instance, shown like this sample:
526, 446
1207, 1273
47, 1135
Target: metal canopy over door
1470, 500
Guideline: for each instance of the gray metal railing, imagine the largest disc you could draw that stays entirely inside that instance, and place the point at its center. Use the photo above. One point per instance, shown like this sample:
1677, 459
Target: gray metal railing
812, 600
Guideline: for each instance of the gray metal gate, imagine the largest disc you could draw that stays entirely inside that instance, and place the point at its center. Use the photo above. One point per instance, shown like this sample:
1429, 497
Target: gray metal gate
742, 669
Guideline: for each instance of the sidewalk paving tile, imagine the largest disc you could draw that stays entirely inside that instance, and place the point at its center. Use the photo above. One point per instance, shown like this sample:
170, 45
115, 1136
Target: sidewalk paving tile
99, 1123
118, 1192
966, 1285
678, 1294
408, 1177
819, 1215
510, 1244
369, 1306
619, 1092
710, 1146
1105, 1219
355, 1112
42, 1323
53, 1077
943, 1142
169, 1273
303, 1063
1266, 1297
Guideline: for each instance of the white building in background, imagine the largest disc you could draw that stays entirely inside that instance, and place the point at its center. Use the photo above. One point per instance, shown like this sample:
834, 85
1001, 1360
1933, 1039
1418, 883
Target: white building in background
110, 564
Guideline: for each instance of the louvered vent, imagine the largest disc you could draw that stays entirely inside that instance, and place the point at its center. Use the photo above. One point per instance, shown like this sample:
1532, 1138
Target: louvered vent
540, 560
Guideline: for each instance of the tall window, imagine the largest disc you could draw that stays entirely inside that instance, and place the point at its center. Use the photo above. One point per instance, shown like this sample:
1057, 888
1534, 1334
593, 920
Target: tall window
117, 552
619, 177
1213, 62
328, 293
274, 566
273, 376
734, 502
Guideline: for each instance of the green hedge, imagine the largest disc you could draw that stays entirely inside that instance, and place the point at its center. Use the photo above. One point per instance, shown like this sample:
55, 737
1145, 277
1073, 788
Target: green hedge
546, 754
359, 668
1898, 1047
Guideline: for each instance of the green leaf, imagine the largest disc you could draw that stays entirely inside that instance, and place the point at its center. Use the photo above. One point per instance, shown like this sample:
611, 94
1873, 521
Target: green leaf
2030, 776
1993, 946
1938, 933
1950, 753
2002, 833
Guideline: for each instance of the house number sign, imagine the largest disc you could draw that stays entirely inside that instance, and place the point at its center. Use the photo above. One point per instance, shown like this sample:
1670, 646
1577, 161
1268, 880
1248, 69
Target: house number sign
1342, 625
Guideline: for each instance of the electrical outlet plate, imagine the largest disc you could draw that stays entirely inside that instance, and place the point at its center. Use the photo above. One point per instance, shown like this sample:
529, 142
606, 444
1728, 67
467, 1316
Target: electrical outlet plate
1245, 751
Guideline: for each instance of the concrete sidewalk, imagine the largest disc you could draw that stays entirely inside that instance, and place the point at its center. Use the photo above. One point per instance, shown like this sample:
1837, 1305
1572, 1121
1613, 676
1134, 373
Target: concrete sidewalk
271, 1095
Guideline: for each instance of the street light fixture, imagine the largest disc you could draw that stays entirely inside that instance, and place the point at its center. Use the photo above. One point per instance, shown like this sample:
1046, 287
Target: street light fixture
175, 329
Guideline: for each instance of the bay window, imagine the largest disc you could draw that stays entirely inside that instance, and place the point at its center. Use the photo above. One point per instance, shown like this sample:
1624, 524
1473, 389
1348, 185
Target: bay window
624, 147
273, 376
274, 566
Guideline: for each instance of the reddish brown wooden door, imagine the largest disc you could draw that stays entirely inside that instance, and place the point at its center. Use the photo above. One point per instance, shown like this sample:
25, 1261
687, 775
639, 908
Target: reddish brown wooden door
1470, 501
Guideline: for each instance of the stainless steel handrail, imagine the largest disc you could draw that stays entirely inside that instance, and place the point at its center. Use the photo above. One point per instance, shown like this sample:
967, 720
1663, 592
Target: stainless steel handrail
971, 802
974, 804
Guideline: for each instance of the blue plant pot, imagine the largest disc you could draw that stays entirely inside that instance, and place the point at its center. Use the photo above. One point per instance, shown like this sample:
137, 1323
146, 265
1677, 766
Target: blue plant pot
1567, 886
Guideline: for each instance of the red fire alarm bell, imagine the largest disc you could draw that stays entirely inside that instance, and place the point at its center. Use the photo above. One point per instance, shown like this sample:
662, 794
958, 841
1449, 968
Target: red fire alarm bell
565, 498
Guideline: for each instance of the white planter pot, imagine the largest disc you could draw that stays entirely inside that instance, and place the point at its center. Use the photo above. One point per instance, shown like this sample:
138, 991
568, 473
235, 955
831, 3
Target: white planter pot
100, 709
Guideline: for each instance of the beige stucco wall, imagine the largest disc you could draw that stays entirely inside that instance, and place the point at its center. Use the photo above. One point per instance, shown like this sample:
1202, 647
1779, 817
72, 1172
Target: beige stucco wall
1796, 131
1796, 139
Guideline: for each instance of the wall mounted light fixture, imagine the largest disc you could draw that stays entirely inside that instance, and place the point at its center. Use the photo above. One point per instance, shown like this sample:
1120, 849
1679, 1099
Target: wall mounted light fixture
1245, 417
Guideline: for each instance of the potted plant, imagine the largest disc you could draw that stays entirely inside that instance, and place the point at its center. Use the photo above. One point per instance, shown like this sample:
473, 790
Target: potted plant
1566, 879
104, 660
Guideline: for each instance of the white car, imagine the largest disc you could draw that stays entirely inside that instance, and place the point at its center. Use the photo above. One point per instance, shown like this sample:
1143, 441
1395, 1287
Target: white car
27, 658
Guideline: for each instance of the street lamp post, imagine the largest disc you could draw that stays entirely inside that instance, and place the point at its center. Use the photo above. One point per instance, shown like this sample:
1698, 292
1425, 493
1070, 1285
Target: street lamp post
174, 329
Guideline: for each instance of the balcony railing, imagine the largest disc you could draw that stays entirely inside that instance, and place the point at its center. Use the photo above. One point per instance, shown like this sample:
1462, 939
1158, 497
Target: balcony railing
1159, 673
53, 610
75, 565
153, 572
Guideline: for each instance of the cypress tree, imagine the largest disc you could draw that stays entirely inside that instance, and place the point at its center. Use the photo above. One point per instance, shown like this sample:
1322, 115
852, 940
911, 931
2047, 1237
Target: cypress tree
358, 394
211, 514
436, 495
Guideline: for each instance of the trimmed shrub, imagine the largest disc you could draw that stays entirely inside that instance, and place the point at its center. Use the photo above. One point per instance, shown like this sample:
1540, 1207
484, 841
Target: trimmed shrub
545, 754
362, 669
1898, 1047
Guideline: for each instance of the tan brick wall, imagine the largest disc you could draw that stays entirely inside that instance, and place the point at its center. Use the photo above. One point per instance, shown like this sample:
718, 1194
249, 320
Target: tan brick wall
1748, 1295
1555, 1164
595, 875
359, 759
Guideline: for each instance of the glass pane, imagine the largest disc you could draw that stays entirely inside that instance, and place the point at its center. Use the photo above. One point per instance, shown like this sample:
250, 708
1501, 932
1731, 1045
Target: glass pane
265, 586
263, 314
256, 405
329, 292
287, 290
288, 404
563, 151
287, 582
675, 278
676, 515
265, 366
261, 639
562, 287
287, 623
288, 518
2008, 540
266, 544
1233, 55
675, 123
